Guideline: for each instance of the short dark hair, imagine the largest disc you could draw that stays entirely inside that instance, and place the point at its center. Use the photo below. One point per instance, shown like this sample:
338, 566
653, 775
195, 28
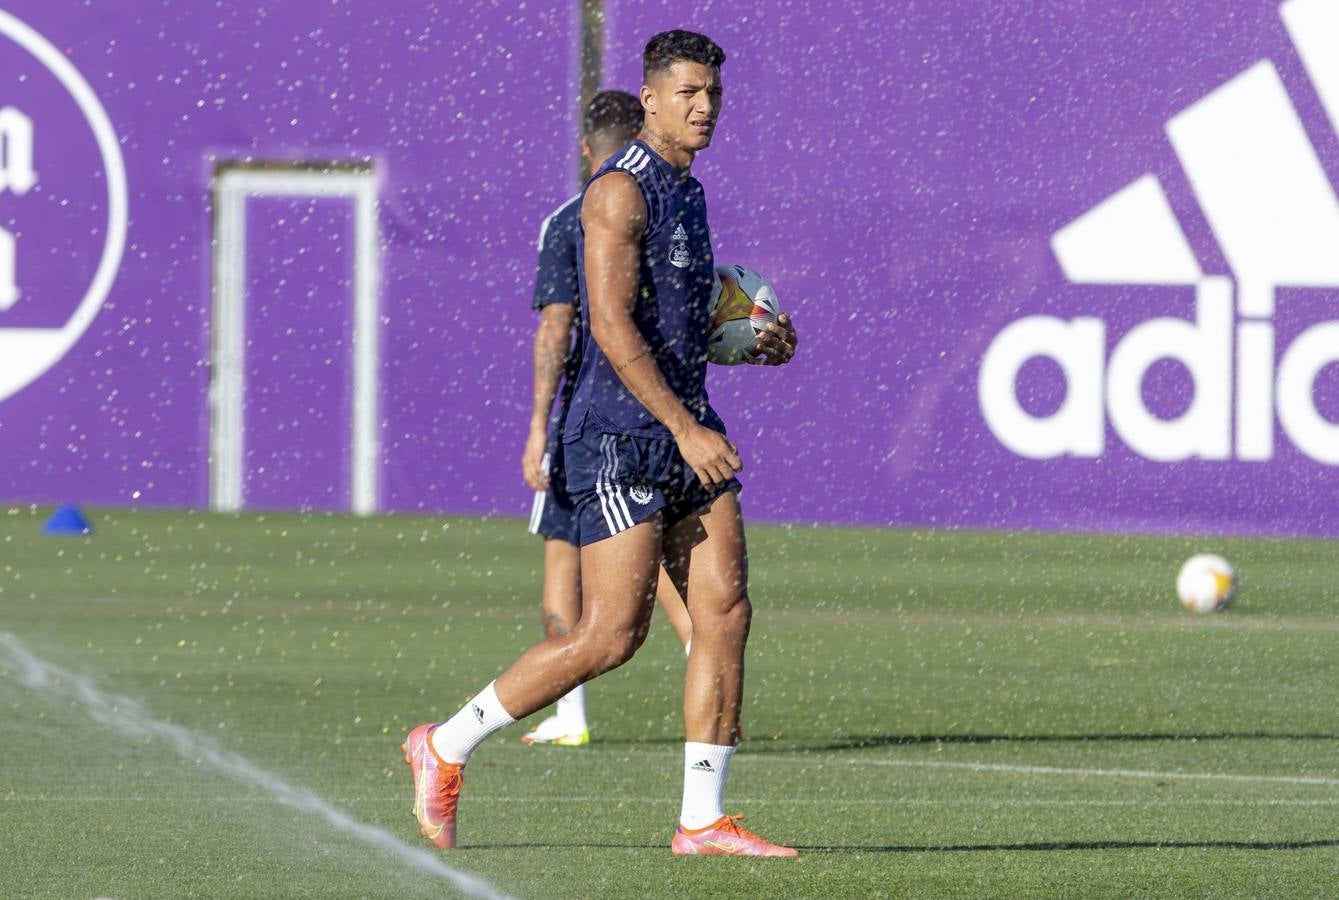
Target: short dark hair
613, 114
669, 47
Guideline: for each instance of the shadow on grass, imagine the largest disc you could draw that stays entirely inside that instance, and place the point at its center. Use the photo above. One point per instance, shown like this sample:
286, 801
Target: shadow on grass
861, 742
1035, 846
1049, 846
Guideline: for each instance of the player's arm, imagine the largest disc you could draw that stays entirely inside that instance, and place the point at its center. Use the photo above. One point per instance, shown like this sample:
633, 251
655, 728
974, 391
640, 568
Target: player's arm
553, 339
613, 216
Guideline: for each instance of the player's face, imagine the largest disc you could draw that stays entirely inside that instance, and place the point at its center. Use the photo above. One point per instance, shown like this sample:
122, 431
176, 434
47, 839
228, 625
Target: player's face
685, 103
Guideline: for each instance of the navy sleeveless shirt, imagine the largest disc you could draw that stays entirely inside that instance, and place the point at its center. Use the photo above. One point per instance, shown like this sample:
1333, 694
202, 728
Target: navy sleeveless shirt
557, 282
672, 308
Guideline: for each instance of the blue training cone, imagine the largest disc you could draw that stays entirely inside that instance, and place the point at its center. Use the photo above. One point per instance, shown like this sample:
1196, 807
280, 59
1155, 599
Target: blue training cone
67, 520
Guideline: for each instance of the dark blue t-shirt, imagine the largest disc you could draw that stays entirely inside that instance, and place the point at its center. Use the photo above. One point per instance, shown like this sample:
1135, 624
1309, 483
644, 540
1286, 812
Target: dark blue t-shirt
556, 281
672, 308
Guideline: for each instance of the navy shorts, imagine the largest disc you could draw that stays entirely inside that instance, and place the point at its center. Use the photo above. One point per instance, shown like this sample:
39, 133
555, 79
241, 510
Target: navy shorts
619, 480
554, 515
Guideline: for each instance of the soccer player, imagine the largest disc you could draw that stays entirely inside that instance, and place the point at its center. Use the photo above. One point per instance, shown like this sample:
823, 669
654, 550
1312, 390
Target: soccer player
648, 464
610, 120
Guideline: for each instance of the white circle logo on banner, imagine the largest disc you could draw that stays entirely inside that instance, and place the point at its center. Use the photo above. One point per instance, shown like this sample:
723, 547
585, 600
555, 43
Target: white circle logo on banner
25, 353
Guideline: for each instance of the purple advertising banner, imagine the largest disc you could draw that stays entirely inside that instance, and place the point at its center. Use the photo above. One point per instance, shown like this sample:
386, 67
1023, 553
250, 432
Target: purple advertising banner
1053, 264
116, 121
1056, 264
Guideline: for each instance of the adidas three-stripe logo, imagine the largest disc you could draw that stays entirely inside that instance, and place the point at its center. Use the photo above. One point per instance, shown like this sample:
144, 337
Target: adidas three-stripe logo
1251, 167
703, 766
634, 160
617, 516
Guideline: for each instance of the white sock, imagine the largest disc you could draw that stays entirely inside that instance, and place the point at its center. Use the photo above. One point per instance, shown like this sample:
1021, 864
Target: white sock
704, 770
572, 709
455, 739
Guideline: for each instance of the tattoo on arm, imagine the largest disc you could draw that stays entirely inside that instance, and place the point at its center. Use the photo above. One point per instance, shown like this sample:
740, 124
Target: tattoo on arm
645, 353
549, 364
552, 343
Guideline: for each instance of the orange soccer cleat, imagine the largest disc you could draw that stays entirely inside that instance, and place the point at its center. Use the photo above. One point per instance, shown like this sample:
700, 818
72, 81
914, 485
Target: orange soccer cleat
724, 837
436, 787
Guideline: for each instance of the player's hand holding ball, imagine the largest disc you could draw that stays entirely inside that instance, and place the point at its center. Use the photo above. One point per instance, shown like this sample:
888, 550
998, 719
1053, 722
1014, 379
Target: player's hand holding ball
746, 323
776, 343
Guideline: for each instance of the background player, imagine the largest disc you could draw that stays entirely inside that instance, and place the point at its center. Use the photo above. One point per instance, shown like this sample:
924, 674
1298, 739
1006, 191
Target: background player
611, 119
648, 464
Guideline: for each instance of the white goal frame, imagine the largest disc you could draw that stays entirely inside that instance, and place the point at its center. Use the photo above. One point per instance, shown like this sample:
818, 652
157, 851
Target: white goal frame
232, 187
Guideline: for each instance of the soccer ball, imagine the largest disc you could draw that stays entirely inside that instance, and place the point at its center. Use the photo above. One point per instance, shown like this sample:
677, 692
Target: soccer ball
1206, 583
742, 304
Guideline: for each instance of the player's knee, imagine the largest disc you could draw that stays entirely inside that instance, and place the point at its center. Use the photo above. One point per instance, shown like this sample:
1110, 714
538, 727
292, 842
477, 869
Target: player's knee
616, 649
738, 614
554, 625
730, 613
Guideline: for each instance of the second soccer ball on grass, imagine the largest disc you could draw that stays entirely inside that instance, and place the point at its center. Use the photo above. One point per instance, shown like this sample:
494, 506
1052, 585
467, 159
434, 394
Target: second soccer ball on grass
1206, 583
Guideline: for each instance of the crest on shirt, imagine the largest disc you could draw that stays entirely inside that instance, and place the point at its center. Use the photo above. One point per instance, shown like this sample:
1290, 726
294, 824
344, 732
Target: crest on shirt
678, 254
640, 494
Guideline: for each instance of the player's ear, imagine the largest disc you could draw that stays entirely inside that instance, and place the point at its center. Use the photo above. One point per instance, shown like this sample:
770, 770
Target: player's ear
586, 153
648, 100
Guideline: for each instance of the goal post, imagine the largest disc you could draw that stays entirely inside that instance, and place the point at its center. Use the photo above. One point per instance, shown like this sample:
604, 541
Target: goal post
233, 186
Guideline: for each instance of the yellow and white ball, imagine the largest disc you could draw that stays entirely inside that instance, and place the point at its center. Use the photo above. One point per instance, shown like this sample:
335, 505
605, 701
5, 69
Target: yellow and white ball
1207, 583
743, 302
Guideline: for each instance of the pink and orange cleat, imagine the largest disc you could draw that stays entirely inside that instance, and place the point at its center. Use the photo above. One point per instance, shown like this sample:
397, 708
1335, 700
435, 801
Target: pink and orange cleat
724, 837
436, 787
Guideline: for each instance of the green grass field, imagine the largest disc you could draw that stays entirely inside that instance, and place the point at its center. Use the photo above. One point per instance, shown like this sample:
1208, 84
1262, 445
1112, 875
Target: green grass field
928, 714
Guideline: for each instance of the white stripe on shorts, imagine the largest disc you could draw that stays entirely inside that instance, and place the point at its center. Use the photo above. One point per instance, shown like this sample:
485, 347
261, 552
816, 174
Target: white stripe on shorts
618, 495
606, 505
537, 508
615, 489
537, 511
